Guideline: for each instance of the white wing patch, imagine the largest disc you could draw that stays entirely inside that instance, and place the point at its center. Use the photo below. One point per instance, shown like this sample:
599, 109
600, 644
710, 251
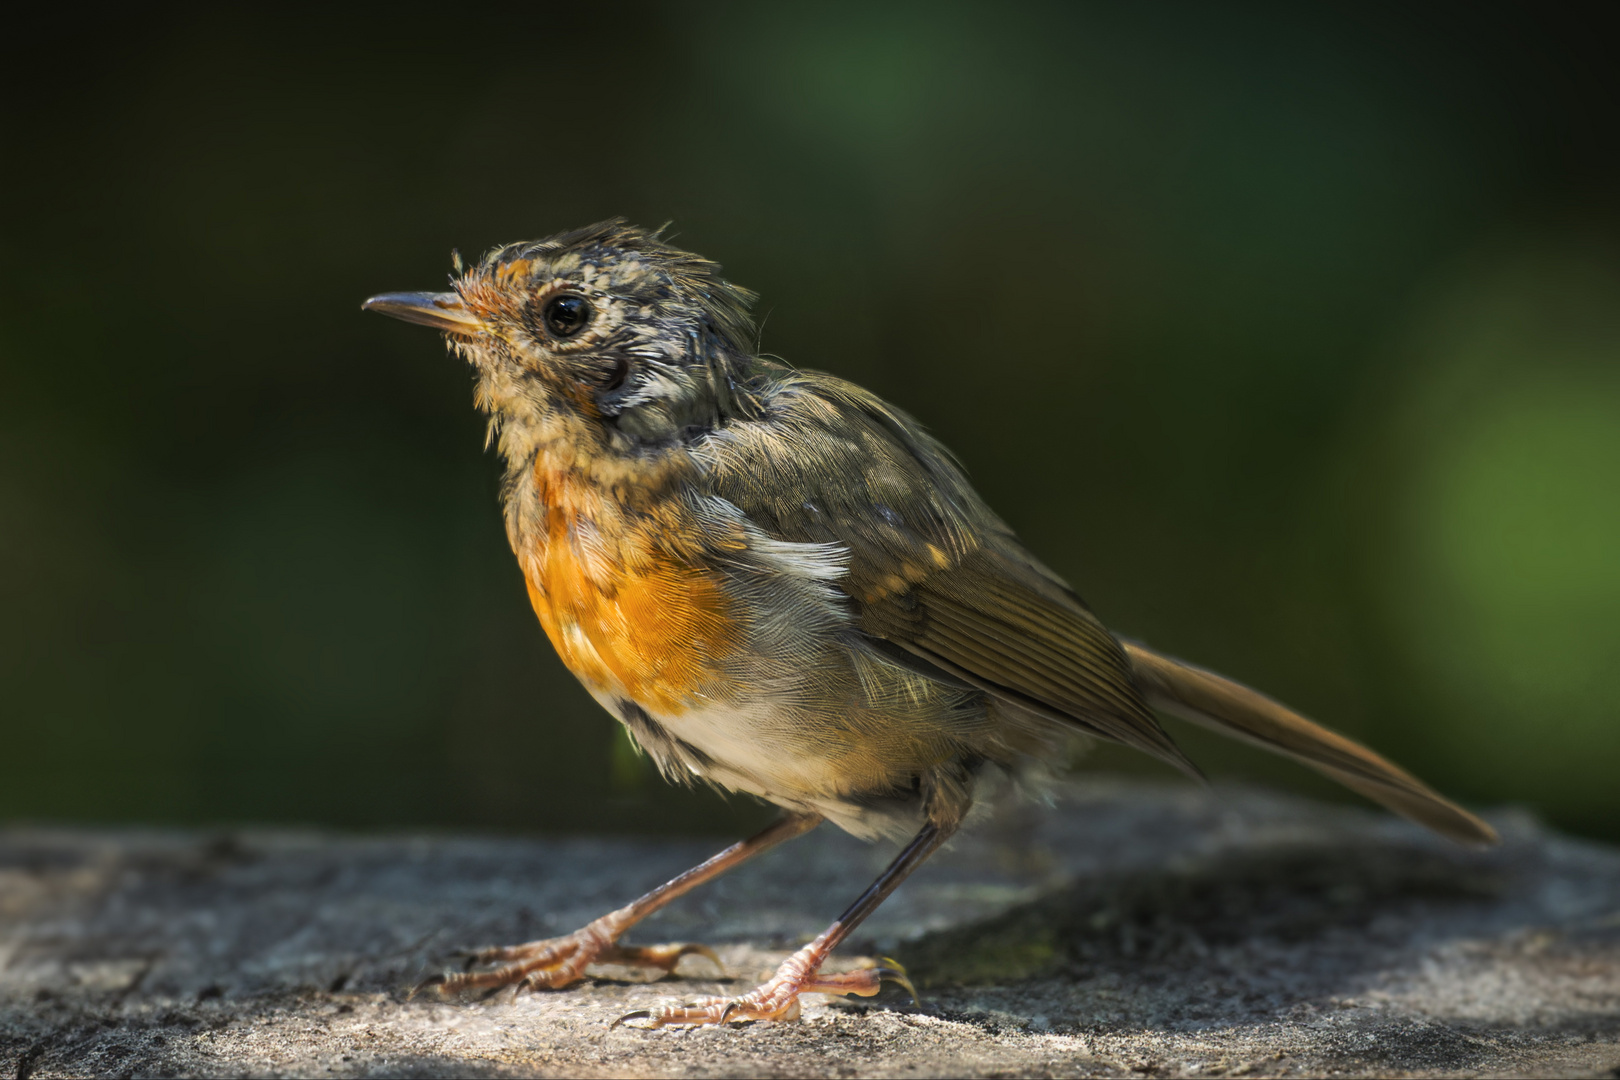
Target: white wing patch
813, 562
810, 562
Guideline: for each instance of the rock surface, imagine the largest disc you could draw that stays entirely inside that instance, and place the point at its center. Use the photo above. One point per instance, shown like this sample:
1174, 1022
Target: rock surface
1133, 930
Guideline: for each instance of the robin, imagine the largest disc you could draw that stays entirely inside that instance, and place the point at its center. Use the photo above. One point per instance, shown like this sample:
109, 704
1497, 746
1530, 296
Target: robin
782, 585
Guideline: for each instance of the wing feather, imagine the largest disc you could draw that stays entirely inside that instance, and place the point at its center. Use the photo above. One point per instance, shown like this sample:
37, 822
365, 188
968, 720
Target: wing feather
935, 576
931, 569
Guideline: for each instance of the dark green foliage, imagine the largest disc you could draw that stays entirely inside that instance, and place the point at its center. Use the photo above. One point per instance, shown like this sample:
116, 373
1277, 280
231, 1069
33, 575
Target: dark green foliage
1285, 333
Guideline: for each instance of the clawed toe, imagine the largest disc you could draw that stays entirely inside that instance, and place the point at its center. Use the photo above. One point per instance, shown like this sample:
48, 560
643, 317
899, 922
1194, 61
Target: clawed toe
513, 977
779, 998
554, 964
431, 981
890, 970
714, 1011
639, 1014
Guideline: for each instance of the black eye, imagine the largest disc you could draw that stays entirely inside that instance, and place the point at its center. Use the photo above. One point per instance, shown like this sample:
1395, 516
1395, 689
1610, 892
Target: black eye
567, 314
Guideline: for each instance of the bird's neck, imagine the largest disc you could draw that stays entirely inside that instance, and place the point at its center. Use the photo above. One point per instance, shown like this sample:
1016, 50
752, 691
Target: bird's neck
566, 476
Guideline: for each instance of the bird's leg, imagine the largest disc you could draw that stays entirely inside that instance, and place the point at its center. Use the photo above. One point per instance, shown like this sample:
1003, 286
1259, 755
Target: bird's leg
557, 962
778, 999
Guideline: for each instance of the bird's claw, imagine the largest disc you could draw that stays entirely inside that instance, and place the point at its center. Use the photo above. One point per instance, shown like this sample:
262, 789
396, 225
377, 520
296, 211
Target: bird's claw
892, 970
558, 962
777, 999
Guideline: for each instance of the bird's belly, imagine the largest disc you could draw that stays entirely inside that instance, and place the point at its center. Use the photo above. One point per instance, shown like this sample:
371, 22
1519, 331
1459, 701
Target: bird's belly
742, 746
820, 740
794, 761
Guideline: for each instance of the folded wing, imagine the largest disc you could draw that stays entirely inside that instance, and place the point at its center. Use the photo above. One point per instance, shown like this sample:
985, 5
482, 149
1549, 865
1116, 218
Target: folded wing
938, 580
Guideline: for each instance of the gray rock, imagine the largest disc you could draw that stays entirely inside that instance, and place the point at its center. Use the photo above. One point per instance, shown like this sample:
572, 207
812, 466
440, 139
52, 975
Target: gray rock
1132, 930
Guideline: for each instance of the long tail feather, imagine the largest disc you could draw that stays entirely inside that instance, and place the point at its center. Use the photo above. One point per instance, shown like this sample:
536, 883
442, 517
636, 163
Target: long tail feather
1233, 709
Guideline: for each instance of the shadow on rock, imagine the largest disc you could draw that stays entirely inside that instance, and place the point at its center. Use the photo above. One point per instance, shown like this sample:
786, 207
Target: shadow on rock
1183, 915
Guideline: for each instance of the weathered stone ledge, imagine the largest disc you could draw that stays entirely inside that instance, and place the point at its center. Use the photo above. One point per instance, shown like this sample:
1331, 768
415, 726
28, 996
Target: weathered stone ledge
1134, 930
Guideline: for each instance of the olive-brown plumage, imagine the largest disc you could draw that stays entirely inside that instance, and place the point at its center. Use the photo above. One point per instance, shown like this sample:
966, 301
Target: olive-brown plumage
782, 585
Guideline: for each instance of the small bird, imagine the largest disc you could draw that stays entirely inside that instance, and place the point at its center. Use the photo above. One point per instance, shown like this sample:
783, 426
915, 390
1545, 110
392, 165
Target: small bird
783, 586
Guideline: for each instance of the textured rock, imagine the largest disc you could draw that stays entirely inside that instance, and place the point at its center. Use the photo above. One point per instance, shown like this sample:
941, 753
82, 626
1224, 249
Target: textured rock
1132, 930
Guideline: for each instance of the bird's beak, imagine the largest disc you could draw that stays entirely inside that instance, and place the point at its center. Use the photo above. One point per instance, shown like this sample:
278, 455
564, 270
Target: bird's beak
442, 311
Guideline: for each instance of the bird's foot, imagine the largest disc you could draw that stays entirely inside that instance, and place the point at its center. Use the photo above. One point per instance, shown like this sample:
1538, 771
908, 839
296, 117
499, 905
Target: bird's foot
557, 962
778, 999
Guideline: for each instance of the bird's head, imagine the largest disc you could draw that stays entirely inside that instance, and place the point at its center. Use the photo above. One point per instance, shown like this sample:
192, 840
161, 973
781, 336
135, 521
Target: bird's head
605, 332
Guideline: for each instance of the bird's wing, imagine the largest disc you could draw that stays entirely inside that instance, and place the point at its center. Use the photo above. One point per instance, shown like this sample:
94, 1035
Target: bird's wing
932, 571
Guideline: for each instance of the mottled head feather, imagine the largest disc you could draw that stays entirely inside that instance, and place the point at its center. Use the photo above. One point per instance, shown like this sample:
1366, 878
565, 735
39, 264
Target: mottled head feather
662, 358
666, 270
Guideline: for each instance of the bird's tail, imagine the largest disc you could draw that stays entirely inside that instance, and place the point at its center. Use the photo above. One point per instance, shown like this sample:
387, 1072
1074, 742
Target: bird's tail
1218, 703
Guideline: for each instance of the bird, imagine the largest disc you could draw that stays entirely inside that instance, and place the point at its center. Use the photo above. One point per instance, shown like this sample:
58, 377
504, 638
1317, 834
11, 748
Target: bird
784, 586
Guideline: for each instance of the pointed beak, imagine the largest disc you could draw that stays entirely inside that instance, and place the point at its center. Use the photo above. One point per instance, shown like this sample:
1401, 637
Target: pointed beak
442, 311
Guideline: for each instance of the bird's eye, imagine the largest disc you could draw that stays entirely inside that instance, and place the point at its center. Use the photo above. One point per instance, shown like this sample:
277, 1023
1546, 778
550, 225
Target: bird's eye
567, 314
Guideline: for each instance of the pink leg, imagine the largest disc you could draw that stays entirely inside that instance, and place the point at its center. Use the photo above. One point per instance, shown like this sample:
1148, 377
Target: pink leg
778, 999
556, 962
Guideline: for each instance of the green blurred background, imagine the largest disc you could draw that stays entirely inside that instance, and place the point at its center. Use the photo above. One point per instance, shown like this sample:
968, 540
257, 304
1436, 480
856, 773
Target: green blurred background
1290, 333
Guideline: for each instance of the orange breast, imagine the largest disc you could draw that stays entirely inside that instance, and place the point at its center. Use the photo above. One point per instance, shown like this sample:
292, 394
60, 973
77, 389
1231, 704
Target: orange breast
627, 616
